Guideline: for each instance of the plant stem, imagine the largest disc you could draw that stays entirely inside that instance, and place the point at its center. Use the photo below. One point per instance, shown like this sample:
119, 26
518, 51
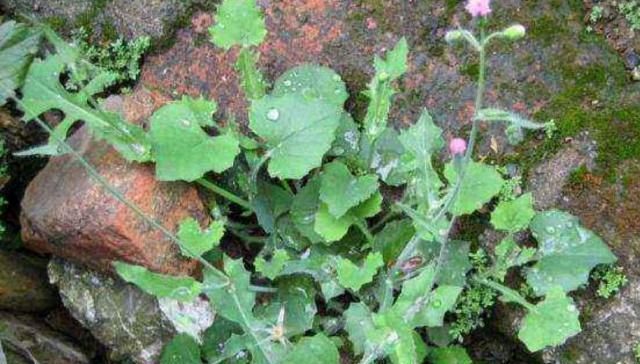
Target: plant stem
224, 193
365, 231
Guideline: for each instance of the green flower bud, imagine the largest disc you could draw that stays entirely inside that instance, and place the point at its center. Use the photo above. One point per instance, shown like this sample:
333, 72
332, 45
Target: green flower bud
514, 32
453, 36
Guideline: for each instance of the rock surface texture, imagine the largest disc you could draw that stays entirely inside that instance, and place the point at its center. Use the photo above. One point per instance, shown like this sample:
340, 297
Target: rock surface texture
126, 320
24, 285
67, 213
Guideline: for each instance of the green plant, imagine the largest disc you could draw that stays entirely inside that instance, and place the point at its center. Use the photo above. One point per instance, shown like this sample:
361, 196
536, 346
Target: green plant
636, 352
3, 180
337, 261
610, 280
120, 57
631, 11
596, 14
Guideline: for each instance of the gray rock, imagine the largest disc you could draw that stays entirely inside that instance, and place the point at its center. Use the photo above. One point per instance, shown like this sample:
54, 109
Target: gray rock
122, 317
25, 338
66, 10
547, 180
153, 18
23, 283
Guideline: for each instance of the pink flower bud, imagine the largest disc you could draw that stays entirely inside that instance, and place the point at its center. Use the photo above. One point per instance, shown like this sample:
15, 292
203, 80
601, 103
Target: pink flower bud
457, 146
478, 7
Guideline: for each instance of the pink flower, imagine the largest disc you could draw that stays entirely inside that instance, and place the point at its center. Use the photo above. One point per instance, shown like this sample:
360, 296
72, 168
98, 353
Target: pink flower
457, 146
478, 7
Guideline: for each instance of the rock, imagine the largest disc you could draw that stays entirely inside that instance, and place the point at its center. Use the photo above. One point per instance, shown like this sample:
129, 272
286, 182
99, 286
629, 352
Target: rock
23, 283
153, 18
67, 213
548, 179
631, 59
129, 19
30, 339
123, 318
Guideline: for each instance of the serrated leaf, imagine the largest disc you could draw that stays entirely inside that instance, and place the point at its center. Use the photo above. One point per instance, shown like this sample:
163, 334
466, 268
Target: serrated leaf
182, 349
312, 82
569, 252
507, 116
183, 150
380, 90
421, 141
317, 349
18, 44
272, 268
481, 183
392, 238
42, 92
236, 311
270, 203
194, 241
298, 132
551, 323
184, 289
400, 342
509, 254
341, 191
449, 355
251, 78
238, 22
515, 215
354, 277
420, 307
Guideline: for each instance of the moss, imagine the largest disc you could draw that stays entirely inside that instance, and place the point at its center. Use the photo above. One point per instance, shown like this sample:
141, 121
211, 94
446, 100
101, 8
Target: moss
56, 23
471, 70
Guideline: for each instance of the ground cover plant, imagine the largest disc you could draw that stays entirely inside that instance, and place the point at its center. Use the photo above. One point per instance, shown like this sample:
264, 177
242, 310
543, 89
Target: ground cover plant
339, 267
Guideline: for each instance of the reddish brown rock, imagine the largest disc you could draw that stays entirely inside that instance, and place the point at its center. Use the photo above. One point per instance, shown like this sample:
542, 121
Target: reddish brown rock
67, 213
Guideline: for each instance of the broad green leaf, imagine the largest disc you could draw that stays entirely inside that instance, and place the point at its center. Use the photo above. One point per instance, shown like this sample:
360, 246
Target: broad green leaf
387, 157
251, 78
312, 82
273, 267
295, 301
332, 229
194, 241
182, 349
509, 254
184, 289
304, 207
421, 141
238, 22
183, 150
354, 277
347, 142
42, 91
515, 215
455, 264
18, 44
400, 343
270, 203
219, 333
317, 349
298, 132
340, 190
449, 355
551, 323
481, 182
319, 264
569, 252
420, 307
380, 90
392, 238
236, 310
358, 323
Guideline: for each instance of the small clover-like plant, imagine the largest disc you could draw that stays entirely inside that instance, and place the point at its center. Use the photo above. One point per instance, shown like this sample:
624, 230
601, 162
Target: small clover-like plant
303, 191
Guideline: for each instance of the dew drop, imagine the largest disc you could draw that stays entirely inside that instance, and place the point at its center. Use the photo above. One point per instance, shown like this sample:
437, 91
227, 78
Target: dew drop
336, 78
287, 83
383, 76
436, 303
550, 229
273, 114
185, 122
571, 308
139, 149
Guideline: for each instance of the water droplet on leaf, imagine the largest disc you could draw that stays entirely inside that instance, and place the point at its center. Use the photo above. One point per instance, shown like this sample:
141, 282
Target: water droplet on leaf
273, 114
